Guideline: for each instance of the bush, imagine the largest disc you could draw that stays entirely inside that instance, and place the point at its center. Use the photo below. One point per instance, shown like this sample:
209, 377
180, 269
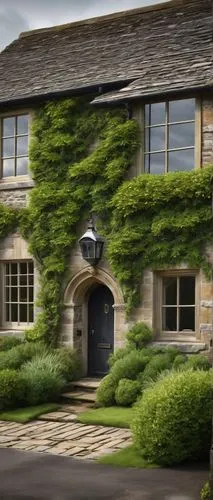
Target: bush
179, 361
172, 421
206, 493
139, 335
157, 364
105, 395
196, 362
172, 352
70, 363
118, 354
12, 389
42, 379
7, 343
17, 356
129, 367
127, 392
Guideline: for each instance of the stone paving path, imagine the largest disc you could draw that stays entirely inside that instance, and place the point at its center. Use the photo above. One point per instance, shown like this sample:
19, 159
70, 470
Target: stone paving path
59, 433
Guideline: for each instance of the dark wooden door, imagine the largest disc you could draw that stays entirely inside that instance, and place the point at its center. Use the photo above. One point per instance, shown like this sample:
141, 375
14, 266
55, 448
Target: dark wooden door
100, 330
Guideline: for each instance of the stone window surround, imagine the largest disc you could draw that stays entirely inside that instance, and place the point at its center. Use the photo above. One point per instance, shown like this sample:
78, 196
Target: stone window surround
157, 304
19, 181
139, 115
11, 324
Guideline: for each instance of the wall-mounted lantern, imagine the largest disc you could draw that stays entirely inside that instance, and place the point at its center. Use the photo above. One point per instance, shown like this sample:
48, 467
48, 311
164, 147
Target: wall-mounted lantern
91, 245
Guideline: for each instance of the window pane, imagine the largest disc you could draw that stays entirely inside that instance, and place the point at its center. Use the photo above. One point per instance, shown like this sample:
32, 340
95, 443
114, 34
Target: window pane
170, 291
157, 138
158, 113
169, 319
182, 110
187, 290
22, 146
146, 164
7, 294
23, 313
14, 280
7, 268
181, 160
22, 166
8, 168
23, 268
157, 163
147, 135
187, 318
181, 136
23, 280
7, 312
30, 294
14, 312
14, 268
31, 279
31, 313
30, 267
8, 148
8, 127
23, 294
147, 114
14, 294
22, 124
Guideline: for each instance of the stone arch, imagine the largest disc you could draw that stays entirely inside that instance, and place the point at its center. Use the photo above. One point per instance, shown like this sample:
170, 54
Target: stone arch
75, 317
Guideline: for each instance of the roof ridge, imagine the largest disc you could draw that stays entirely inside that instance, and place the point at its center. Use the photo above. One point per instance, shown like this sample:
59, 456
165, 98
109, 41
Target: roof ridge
115, 15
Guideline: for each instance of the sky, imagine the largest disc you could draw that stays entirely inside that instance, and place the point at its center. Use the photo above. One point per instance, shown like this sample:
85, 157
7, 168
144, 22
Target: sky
22, 15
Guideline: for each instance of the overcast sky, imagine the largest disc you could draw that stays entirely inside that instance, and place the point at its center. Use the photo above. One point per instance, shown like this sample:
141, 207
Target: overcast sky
23, 15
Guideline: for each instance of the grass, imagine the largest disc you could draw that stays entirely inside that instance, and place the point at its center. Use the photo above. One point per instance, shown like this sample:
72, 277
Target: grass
24, 415
127, 457
113, 416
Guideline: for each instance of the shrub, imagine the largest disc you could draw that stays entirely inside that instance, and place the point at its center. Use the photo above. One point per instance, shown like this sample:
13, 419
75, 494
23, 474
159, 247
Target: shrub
172, 352
70, 363
156, 365
118, 354
18, 355
196, 362
127, 392
172, 421
105, 395
179, 361
206, 493
12, 389
7, 343
139, 335
129, 367
42, 379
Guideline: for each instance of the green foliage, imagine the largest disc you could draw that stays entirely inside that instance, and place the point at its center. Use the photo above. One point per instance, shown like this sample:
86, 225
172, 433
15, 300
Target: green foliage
18, 355
139, 335
12, 389
172, 421
179, 361
196, 362
129, 367
112, 416
70, 364
42, 379
127, 392
105, 395
119, 353
6, 343
156, 365
206, 493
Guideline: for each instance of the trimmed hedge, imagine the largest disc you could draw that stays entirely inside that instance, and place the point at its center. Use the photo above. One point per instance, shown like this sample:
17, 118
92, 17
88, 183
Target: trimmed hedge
105, 395
172, 421
12, 389
129, 366
139, 335
127, 392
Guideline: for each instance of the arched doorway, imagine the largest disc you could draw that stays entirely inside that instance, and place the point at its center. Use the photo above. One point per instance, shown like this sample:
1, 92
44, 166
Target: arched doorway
100, 329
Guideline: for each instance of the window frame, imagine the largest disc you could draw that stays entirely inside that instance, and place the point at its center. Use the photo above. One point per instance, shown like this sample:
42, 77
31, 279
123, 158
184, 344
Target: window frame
158, 304
14, 114
140, 115
10, 325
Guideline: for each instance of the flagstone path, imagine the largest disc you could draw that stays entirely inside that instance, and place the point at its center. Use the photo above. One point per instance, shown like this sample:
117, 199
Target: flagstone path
59, 433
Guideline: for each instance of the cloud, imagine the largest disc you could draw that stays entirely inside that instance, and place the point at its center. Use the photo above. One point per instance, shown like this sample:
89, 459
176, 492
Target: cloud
41, 13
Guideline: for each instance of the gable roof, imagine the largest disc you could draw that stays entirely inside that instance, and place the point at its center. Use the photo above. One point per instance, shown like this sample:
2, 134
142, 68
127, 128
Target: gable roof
151, 49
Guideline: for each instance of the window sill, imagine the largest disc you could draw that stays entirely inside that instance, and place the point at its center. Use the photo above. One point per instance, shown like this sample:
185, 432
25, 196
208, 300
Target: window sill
21, 182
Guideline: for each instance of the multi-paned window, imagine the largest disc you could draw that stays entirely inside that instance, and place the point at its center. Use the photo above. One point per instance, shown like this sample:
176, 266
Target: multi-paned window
170, 136
178, 307
14, 145
18, 292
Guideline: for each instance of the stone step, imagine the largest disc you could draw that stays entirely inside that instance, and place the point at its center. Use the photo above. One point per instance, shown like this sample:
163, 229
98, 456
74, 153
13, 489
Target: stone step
88, 384
83, 396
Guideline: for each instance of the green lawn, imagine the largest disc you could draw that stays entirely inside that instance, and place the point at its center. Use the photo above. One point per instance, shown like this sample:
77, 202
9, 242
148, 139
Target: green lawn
114, 416
127, 457
24, 415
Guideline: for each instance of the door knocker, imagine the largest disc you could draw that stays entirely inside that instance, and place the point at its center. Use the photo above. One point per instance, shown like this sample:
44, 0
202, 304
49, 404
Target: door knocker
106, 308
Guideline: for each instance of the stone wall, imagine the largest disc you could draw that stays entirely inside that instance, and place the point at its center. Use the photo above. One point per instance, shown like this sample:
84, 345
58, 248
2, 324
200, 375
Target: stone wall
207, 131
15, 194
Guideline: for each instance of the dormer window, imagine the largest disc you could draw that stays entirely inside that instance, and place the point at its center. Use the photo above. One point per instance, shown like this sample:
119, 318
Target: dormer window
14, 145
170, 136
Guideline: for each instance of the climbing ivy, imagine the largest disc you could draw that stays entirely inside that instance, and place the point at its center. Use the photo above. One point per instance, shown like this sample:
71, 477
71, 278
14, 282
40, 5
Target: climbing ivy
79, 158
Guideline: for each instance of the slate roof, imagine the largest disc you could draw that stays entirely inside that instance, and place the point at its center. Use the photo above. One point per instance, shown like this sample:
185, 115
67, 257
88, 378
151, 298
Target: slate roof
143, 51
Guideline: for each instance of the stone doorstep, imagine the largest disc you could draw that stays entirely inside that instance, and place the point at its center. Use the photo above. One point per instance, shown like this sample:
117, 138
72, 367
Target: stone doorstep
87, 383
85, 396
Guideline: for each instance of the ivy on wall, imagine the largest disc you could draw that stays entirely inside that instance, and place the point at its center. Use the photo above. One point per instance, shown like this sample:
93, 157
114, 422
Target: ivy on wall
79, 159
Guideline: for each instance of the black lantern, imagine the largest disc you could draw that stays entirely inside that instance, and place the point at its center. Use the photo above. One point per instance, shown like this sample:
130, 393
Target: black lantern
91, 245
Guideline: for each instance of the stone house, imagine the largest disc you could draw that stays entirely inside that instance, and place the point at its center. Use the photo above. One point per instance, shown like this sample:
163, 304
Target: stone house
156, 61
